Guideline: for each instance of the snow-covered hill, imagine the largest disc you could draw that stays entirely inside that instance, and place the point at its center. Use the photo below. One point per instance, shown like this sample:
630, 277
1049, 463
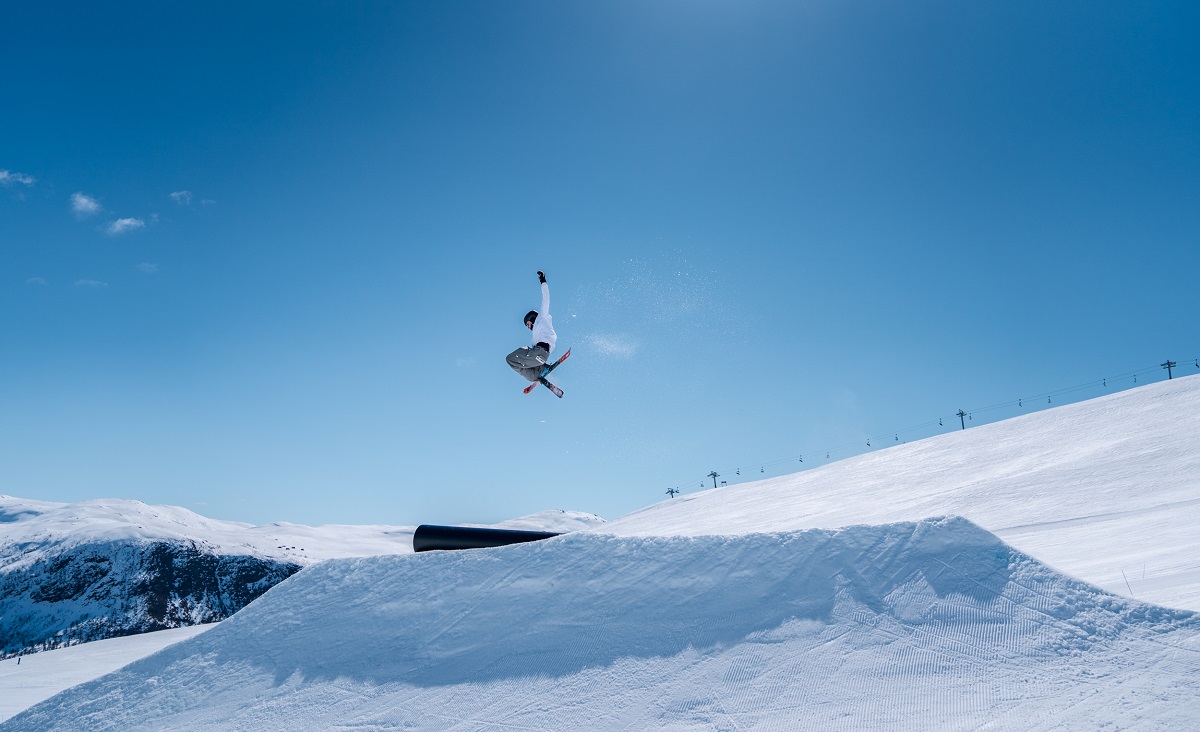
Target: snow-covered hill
104, 568
1107, 490
762, 606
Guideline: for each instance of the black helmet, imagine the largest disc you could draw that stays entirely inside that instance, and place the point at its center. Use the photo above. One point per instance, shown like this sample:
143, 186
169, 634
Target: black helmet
530, 317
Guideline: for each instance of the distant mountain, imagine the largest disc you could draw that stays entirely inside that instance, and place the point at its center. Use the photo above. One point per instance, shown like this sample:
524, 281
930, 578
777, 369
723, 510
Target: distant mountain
79, 572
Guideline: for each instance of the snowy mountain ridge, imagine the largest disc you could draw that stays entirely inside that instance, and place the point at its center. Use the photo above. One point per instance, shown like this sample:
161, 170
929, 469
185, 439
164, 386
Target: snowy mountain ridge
28, 525
110, 567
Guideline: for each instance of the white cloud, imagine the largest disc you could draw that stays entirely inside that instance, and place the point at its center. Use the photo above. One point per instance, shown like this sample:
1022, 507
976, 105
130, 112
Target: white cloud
613, 346
183, 198
84, 205
147, 268
120, 226
90, 283
8, 178
40, 281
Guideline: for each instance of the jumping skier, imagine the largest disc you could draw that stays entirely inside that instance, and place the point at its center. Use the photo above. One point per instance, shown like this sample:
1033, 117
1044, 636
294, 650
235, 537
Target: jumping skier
533, 362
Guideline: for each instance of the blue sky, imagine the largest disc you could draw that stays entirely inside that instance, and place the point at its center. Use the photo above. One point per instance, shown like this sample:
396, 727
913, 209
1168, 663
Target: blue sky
264, 261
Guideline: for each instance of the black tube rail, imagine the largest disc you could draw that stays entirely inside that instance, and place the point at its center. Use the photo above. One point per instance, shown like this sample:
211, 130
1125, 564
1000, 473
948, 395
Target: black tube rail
428, 537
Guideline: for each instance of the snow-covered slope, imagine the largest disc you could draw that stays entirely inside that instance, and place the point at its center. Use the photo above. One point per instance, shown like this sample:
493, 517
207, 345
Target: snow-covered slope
1107, 490
932, 625
37, 677
105, 568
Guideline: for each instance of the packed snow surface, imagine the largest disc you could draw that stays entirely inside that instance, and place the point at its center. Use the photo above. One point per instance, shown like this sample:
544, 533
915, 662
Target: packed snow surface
928, 625
1107, 490
34, 678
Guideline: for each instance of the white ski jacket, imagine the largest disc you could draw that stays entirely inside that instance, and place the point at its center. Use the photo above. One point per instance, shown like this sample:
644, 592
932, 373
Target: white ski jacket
543, 327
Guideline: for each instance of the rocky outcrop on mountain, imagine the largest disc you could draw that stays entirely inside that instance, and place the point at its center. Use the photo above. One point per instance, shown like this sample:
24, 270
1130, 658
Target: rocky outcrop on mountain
113, 588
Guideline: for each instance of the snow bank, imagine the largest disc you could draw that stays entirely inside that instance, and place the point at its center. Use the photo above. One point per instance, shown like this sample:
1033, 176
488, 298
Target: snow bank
934, 624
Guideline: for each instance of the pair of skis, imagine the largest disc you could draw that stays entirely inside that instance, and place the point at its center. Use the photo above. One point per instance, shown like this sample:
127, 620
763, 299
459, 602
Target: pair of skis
542, 379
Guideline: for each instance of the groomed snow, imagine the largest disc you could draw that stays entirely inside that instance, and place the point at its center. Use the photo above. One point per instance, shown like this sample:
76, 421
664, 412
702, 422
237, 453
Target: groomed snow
39, 676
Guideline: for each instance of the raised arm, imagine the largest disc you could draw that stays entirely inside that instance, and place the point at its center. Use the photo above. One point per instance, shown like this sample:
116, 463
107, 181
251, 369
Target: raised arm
545, 293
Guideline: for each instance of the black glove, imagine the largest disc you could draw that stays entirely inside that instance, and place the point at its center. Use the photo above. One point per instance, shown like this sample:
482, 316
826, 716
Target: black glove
541, 277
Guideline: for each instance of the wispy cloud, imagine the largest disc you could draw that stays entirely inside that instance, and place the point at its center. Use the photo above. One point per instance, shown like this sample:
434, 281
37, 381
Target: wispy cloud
121, 226
147, 268
183, 198
39, 281
613, 346
90, 283
10, 178
84, 205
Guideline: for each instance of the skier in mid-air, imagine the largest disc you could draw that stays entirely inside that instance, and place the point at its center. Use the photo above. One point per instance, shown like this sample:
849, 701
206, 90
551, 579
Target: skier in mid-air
533, 362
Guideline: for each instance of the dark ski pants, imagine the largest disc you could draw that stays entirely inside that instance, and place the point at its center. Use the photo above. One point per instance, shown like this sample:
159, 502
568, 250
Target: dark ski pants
528, 361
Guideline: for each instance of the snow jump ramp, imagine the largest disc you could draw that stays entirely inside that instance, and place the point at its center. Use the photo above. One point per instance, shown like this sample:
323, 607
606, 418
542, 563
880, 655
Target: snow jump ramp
935, 624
